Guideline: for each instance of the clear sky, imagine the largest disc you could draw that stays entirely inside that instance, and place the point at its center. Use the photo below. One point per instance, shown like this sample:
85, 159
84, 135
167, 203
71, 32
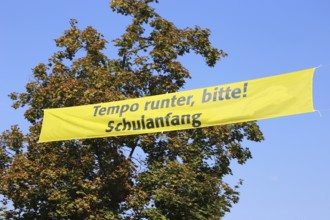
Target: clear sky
289, 177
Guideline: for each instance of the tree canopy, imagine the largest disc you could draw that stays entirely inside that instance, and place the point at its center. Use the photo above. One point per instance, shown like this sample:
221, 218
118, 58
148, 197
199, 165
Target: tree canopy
179, 176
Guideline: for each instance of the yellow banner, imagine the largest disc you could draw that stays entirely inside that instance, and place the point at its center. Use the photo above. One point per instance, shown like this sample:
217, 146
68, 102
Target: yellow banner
263, 98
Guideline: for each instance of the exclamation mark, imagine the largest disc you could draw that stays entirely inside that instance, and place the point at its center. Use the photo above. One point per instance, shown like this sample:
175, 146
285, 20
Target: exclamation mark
245, 89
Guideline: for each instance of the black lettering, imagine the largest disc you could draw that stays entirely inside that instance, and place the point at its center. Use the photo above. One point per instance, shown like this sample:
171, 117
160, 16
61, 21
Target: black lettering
206, 96
215, 94
221, 94
136, 126
142, 121
161, 120
167, 117
150, 123
155, 105
113, 109
102, 110
228, 92
173, 101
236, 93
117, 127
146, 106
175, 120
110, 127
123, 109
96, 108
181, 101
126, 124
245, 89
189, 99
183, 121
165, 103
196, 123
134, 107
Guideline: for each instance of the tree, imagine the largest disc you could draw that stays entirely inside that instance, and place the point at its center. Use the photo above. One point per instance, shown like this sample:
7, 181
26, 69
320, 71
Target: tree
181, 175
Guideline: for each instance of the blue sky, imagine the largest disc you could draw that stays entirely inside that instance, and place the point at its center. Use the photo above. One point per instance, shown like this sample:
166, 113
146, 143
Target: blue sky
289, 177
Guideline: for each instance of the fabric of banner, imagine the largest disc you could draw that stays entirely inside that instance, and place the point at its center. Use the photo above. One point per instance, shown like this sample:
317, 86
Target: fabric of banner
269, 97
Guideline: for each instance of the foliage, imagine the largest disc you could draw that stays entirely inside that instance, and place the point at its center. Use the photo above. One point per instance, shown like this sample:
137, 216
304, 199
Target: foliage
181, 175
